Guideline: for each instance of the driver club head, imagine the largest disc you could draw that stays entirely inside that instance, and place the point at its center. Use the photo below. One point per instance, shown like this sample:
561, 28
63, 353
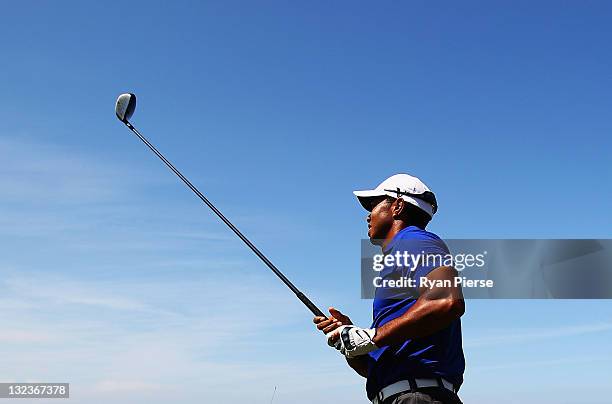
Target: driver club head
126, 104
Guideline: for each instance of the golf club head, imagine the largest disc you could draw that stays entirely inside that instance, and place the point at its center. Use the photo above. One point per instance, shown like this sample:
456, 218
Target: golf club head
126, 104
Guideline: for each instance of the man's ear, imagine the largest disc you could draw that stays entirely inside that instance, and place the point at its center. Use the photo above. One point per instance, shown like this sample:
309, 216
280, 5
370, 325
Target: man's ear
398, 207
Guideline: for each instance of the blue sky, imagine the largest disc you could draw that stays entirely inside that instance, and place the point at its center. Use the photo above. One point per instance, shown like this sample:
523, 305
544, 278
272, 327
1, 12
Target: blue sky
115, 279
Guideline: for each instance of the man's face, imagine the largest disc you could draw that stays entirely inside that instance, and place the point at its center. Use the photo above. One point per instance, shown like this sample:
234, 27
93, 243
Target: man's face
380, 219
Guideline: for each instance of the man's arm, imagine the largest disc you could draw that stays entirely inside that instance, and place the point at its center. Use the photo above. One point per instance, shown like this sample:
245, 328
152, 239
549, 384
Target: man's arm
436, 307
359, 364
337, 319
434, 310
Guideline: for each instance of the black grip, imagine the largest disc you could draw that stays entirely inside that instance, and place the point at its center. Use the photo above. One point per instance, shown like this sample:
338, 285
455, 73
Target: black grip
311, 306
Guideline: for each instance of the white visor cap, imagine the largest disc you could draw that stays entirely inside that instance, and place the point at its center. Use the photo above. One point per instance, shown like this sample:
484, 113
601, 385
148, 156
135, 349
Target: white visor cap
409, 188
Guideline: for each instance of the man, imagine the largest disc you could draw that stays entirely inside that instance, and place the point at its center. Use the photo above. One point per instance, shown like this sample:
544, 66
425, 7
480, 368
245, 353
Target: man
412, 352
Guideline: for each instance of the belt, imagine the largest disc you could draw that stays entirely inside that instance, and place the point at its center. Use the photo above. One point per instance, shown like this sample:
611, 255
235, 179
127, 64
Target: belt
409, 385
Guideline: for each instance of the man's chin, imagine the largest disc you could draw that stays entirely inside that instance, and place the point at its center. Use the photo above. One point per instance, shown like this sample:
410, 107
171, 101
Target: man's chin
376, 241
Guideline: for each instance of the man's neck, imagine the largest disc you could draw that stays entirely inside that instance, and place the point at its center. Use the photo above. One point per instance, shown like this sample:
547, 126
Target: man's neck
396, 227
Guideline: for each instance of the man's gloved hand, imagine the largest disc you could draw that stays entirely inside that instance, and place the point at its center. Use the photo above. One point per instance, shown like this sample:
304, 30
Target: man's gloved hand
329, 325
353, 341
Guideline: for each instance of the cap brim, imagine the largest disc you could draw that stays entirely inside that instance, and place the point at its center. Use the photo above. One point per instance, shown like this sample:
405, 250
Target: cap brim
364, 196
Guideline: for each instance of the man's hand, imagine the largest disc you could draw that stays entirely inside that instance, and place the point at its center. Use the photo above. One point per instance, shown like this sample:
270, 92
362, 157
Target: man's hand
329, 326
351, 341
334, 321
355, 341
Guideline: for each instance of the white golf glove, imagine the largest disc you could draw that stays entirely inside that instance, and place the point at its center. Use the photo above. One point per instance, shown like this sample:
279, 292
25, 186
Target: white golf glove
354, 341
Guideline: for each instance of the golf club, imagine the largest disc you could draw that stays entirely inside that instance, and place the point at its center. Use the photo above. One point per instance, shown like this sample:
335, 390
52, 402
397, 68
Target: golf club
126, 104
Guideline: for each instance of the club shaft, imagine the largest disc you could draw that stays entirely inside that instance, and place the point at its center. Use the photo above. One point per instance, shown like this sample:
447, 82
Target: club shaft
311, 306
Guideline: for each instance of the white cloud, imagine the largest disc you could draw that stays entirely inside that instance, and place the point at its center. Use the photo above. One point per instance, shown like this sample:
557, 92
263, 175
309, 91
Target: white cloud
126, 342
35, 172
22, 336
63, 291
548, 363
122, 386
511, 336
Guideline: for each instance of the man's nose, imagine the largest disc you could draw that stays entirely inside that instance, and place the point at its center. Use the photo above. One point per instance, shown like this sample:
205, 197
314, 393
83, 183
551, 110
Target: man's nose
369, 218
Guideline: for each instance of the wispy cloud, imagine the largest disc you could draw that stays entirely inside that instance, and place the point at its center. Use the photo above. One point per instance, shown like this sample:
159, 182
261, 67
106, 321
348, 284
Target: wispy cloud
123, 386
548, 363
124, 340
22, 336
36, 172
57, 196
511, 336
63, 292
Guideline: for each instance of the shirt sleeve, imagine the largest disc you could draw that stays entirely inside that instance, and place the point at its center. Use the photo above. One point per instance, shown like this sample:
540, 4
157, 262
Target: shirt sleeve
426, 255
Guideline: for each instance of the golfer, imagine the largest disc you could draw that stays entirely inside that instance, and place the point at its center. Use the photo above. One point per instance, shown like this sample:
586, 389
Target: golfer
412, 352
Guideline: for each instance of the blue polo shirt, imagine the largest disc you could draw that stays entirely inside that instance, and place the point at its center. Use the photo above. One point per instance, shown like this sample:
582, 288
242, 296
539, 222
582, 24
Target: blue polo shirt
436, 355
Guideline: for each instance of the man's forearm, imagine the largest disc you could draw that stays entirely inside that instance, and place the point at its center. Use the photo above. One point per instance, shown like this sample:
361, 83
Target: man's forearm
359, 365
